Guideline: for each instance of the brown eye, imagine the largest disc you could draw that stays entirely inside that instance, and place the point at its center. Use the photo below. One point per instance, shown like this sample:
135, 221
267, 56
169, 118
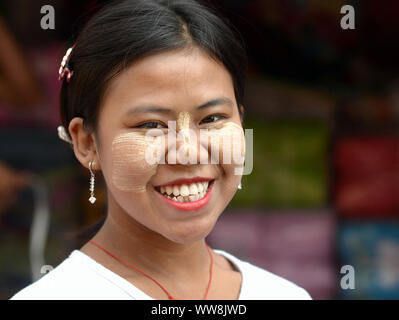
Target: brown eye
151, 125
213, 118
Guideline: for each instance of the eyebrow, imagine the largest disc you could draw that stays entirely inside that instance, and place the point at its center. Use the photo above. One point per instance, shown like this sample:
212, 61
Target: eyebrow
216, 102
159, 109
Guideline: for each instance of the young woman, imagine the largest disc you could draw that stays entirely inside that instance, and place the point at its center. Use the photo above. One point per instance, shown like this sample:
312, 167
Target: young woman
138, 66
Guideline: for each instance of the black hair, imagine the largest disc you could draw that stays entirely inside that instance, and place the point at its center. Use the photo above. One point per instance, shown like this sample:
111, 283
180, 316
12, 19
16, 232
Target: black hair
124, 31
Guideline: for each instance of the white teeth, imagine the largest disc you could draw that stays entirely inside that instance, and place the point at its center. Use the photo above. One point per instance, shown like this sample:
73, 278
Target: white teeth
193, 188
186, 193
200, 187
169, 190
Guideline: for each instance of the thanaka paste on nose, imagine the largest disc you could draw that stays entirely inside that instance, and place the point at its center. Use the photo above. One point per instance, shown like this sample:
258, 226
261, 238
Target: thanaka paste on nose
183, 127
130, 169
183, 121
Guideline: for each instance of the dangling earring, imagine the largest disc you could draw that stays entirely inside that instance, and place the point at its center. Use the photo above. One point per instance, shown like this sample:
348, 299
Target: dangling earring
92, 199
240, 186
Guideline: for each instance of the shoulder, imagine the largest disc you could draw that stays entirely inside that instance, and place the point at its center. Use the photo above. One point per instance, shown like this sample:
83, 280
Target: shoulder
260, 284
74, 278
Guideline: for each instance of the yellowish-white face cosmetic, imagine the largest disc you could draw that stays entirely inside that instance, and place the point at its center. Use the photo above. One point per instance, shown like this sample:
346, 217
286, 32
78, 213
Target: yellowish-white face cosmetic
131, 169
183, 121
183, 128
227, 147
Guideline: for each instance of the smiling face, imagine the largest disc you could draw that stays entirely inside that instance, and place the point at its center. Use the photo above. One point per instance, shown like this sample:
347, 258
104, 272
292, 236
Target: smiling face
197, 93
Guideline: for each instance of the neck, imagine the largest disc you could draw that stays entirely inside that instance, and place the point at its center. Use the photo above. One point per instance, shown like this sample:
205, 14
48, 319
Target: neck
149, 251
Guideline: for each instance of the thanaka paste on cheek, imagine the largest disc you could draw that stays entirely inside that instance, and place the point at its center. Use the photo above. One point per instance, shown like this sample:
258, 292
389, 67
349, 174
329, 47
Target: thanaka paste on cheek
229, 140
130, 169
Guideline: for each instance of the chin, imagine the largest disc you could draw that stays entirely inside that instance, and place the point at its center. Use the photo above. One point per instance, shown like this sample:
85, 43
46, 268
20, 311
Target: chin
190, 231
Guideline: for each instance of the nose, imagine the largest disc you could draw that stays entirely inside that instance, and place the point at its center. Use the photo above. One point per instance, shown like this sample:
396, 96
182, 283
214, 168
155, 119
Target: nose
185, 146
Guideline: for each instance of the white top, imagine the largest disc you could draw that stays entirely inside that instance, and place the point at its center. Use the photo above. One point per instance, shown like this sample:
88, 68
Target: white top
79, 277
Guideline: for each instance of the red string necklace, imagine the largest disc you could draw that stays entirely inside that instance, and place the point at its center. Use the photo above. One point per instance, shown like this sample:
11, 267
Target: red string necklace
148, 276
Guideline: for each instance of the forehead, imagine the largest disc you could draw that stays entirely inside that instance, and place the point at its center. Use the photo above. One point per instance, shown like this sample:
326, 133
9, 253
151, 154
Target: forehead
171, 79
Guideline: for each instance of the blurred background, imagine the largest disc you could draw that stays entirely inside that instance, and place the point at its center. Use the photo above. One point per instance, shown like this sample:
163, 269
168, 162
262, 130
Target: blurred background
324, 106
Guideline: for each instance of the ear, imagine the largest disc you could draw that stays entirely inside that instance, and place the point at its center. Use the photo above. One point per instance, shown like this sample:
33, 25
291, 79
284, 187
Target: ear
84, 144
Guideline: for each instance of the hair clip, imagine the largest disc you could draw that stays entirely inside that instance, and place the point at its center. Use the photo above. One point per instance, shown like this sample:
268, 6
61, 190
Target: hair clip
64, 69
